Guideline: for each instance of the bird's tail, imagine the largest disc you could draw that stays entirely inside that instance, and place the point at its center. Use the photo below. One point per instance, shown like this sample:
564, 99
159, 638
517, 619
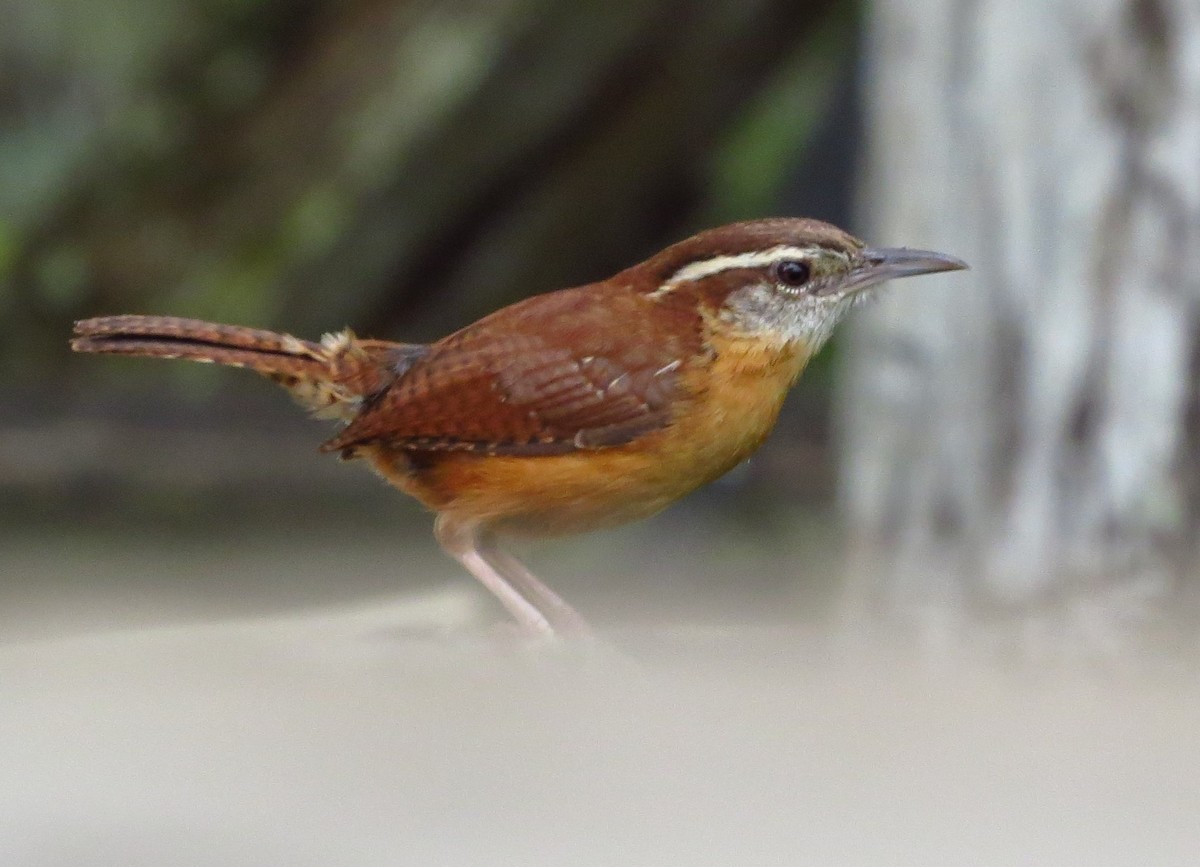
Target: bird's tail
330, 377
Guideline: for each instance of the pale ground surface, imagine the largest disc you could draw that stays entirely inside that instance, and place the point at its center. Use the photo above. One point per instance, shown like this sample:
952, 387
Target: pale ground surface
296, 701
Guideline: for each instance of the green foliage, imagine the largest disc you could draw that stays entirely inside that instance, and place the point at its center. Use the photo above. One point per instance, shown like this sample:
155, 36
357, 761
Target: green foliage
244, 288
751, 164
62, 277
317, 220
9, 250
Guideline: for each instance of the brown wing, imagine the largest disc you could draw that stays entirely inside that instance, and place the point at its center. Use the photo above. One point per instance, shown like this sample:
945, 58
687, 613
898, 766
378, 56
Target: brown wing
576, 369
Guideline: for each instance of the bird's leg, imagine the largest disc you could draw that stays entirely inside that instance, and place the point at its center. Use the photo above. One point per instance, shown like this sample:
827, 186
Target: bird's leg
564, 619
538, 609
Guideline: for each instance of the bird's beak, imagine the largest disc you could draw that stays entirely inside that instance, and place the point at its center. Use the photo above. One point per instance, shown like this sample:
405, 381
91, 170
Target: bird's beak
878, 264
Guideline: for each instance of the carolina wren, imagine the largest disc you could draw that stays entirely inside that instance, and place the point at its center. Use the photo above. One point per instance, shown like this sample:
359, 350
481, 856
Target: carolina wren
578, 409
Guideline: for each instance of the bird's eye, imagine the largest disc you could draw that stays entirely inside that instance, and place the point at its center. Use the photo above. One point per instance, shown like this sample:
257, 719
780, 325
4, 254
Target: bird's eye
793, 272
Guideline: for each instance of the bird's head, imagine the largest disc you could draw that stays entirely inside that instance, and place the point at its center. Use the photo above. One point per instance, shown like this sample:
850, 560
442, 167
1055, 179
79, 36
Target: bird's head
784, 280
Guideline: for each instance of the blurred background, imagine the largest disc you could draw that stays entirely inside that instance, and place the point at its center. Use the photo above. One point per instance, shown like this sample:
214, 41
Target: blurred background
1000, 463
1016, 445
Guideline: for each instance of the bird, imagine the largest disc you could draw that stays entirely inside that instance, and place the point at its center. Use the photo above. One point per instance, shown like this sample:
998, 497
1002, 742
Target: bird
572, 410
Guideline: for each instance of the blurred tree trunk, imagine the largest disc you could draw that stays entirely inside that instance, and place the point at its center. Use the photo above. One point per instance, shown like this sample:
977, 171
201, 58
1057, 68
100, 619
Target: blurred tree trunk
1023, 439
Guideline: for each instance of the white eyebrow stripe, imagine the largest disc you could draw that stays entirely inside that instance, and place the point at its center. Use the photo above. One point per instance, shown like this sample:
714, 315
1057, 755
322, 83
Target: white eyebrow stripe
717, 264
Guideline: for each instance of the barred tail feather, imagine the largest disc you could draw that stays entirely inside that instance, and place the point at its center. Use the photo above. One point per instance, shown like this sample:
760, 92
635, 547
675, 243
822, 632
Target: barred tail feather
330, 378
173, 337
